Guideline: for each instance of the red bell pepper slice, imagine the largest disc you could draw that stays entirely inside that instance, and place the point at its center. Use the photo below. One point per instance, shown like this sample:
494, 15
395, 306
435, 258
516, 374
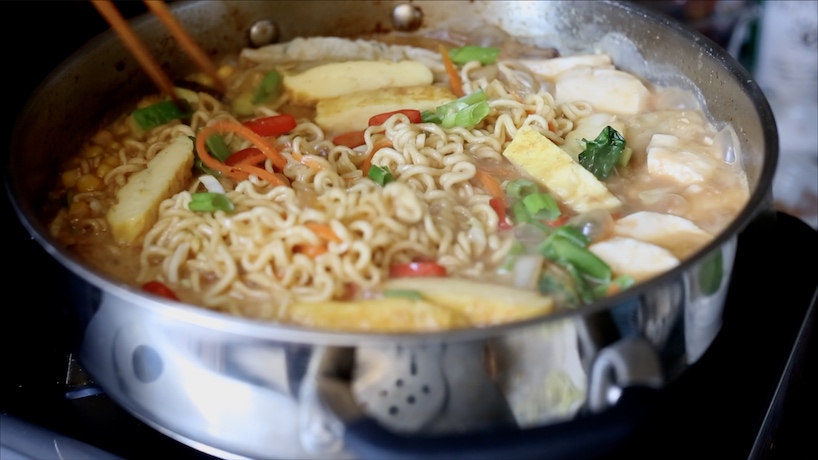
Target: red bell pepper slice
417, 269
157, 288
250, 155
499, 206
275, 125
414, 116
351, 140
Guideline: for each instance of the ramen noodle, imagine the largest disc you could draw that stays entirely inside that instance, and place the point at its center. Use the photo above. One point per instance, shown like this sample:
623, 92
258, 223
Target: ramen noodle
375, 186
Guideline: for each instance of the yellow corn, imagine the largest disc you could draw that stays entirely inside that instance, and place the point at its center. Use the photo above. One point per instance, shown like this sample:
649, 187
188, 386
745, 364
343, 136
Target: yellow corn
92, 151
69, 178
79, 210
225, 71
89, 183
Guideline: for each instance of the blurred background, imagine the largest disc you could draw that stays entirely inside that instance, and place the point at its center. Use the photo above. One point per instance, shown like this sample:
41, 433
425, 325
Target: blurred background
777, 41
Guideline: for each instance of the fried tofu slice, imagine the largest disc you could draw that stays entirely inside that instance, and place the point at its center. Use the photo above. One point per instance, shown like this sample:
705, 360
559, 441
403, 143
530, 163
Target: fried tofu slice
352, 112
388, 315
481, 303
338, 78
137, 202
568, 180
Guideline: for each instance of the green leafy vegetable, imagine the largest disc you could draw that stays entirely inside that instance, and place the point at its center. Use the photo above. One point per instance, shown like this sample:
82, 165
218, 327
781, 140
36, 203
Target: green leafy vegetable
602, 154
468, 53
160, 113
380, 175
210, 202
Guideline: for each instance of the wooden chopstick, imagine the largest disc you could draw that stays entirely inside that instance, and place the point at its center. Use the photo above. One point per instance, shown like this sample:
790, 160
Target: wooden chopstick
118, 23
191, 48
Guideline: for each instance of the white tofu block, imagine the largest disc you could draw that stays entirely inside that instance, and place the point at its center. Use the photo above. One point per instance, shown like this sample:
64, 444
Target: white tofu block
676, 234
628, 256
550, 68
667, 157
608, 90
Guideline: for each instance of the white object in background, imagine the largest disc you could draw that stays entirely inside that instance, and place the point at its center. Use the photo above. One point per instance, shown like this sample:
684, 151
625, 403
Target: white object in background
787, 72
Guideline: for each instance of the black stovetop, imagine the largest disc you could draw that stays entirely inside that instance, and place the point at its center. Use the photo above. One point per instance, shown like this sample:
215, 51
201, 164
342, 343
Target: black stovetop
741, 400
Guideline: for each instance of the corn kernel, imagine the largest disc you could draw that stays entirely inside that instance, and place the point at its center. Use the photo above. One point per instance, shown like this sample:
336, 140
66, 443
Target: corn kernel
89, 183
103, 137
103, 169
92, 151
111, 160
225, 71
79, 210
69, 178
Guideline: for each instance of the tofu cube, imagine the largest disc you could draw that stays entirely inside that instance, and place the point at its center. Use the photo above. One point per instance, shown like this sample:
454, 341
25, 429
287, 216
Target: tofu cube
668, 157
676, 234
608, 90
628, 256
551, 68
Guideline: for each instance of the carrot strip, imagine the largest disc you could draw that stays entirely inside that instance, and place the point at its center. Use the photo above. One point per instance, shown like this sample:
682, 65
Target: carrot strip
454, 78
491, 184
225, 126
261, 173
367, 163
311, 250
324, 231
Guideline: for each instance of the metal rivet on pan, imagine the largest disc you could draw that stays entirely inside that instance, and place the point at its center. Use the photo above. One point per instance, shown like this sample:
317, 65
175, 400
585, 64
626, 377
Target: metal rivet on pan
263, 32
407, 17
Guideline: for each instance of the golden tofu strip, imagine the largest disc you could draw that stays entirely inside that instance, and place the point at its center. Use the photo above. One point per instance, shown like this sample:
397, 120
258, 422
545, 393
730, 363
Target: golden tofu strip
137, 202
566, 179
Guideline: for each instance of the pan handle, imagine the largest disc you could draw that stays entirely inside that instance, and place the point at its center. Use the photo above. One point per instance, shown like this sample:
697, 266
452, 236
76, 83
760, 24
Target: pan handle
585, 437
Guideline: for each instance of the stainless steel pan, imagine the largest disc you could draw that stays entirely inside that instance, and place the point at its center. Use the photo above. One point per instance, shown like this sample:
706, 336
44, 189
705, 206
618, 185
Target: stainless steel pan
235, 387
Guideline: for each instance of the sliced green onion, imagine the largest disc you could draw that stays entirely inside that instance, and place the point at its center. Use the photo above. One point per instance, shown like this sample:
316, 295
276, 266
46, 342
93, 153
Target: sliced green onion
199, 164
572, 234
217, 147
468, 116
519, 188
380, 175
468, 53
403, 293
471, 103
565, 252
160, 113
429, 117
541, 206
210, 202
270, 86
519, 213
